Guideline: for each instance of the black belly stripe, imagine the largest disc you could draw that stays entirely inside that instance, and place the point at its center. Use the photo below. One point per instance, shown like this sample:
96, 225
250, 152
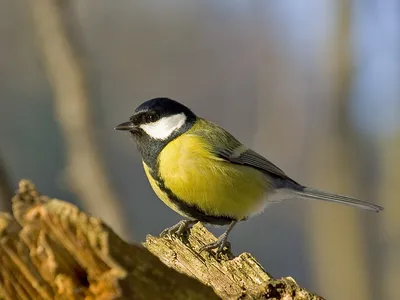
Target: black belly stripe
191, 210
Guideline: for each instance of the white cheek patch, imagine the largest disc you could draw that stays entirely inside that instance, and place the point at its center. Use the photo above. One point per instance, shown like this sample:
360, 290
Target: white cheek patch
164, 127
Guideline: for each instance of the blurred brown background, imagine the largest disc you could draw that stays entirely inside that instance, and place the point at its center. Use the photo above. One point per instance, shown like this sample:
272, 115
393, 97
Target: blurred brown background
312, 85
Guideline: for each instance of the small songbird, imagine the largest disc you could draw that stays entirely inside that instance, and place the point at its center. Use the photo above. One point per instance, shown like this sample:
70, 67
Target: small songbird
205, 174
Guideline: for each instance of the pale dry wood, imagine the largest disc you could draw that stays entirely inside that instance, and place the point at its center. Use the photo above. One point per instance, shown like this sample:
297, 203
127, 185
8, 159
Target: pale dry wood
231, 277
49, 249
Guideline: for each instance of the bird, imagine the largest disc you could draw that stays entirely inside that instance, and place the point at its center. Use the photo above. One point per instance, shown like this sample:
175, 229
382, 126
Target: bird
205, 174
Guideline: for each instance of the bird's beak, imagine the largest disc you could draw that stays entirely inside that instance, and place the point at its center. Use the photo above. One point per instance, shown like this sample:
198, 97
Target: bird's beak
127, 126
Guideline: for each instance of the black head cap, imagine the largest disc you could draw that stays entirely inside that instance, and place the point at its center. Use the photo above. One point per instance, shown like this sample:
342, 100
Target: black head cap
164, 107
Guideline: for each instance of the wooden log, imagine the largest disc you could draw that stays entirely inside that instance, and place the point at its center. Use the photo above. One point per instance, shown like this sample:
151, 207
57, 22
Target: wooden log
49, 249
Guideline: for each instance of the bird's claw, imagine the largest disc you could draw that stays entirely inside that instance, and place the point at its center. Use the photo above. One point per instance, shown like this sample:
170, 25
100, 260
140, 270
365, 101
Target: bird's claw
219, 244
178, 229
181, 229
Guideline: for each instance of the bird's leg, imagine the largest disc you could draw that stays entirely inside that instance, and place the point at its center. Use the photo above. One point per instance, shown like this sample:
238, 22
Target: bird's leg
178, 229
221, 242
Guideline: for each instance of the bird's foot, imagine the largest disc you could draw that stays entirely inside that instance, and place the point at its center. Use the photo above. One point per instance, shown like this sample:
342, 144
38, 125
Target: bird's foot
179, 229
221, 243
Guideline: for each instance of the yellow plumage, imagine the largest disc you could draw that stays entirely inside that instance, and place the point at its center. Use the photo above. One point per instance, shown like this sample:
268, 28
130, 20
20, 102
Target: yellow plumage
160, 193
198, 177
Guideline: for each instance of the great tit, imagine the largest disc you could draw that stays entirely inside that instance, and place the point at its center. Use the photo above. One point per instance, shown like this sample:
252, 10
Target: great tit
205, 174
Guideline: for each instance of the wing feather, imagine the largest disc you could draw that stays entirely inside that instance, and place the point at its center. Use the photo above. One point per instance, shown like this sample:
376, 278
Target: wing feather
227, 147
253, 159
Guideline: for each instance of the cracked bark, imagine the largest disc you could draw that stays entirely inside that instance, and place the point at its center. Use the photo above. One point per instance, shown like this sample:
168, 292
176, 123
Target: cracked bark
49, 249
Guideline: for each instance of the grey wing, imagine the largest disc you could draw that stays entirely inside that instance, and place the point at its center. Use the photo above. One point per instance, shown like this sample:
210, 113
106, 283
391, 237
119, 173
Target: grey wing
252, 158
230, 149
255, 160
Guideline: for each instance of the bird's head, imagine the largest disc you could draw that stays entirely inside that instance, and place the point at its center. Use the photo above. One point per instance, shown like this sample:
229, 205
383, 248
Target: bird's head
159, 119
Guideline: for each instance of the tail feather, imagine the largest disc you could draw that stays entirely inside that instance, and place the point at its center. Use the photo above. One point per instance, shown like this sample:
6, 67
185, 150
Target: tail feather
320, 195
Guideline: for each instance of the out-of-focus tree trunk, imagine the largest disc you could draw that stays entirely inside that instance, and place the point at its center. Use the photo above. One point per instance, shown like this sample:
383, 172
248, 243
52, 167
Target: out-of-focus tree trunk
280, 94
85, 170
389, 194
336, 237
6, 192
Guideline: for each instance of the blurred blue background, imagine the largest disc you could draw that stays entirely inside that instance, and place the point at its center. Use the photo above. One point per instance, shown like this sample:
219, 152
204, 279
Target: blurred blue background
312, 85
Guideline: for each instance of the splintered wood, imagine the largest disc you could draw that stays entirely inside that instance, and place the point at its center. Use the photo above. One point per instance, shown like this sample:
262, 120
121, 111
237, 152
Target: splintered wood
240, 277
49, 249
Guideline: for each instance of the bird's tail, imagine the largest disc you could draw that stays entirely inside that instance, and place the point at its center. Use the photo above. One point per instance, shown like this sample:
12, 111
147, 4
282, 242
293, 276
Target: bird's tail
320, 195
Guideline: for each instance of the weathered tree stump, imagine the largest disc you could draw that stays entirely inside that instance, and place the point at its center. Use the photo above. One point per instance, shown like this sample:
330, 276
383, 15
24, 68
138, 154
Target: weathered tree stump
49, 249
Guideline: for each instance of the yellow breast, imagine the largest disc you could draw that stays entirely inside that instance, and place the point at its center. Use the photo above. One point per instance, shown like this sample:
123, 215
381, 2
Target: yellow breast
160, 193
198, 177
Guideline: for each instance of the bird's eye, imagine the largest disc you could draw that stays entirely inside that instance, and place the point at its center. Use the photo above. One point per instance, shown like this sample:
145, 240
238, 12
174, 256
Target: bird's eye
152, 118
